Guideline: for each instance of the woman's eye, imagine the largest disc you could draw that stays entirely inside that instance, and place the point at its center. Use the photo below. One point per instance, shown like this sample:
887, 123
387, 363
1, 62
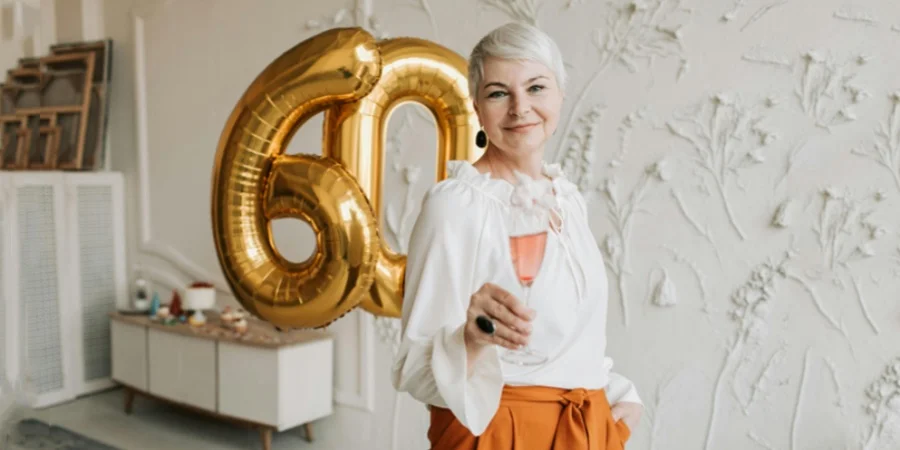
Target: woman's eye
536, 88
496, 94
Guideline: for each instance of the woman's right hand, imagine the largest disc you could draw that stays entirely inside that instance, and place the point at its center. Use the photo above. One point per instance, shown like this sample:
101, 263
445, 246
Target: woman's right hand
511, 319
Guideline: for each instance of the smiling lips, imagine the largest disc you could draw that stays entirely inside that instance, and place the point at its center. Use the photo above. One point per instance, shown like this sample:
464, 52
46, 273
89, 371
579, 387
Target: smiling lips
525, 127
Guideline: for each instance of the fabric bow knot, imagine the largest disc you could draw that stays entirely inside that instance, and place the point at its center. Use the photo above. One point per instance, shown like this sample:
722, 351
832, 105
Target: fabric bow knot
576, 397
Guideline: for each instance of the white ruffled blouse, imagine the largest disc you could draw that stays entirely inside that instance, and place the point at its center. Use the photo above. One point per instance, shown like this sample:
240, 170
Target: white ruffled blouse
459, 242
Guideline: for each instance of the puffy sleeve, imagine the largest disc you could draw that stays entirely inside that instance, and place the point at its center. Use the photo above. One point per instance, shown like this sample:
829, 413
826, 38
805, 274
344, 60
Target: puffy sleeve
431, 363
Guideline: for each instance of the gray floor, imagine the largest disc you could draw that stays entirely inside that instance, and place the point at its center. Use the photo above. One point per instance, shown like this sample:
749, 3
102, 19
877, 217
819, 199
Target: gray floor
154, 425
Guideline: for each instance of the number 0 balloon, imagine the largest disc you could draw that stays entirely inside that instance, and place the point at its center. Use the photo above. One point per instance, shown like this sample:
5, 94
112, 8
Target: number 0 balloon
357, 82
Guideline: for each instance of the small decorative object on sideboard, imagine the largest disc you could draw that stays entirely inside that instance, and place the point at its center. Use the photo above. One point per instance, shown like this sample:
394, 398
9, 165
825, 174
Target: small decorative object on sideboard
154, 304
199, 296
234, 320
175, 304
141, 299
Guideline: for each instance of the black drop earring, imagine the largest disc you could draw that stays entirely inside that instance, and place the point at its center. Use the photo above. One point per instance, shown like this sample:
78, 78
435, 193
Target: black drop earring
481, 139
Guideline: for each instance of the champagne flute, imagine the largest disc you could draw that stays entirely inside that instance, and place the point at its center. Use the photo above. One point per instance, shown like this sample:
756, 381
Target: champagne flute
527, 253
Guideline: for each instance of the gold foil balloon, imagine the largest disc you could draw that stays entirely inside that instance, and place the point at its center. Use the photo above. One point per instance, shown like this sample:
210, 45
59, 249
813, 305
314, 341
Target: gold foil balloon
254, 182
358, 82
413, 70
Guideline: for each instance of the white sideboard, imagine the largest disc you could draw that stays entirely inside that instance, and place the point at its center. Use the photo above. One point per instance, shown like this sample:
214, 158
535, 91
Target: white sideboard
62, 271
266, 379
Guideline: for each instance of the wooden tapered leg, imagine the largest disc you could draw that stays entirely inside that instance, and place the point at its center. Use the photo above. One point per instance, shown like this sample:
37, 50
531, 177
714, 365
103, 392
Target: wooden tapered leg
266, 435
129, 400
308, 428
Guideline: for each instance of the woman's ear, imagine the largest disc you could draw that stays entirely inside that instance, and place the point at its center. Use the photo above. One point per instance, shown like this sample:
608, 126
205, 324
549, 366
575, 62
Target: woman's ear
477, 112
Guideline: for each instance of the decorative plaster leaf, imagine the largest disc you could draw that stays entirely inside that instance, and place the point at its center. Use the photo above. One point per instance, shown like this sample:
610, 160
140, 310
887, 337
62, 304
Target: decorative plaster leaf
826, 89
733, 12
683, 69
521, 10
799, 402
862, 304
883, 405
644, 30
761, 12
792, 158
838, 386
701, 280
763, 55
663, 294
626, 127
886, 151
855, 14
726, 138
578, 162
759, 440
784, 214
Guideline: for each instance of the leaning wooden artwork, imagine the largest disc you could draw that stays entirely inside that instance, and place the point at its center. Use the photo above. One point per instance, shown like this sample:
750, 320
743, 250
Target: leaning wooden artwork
53, 109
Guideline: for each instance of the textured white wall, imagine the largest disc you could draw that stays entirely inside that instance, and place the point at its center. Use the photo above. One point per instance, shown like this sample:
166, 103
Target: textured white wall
741, 160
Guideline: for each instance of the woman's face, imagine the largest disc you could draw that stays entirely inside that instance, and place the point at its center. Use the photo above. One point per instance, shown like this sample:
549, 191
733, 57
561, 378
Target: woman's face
518, 104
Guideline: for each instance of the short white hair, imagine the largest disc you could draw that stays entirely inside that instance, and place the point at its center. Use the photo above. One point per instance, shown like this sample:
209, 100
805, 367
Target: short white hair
516, 41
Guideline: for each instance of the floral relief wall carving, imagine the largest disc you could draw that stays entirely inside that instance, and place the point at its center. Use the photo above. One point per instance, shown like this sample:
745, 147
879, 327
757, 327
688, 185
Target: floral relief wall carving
827, 90
634, 31
726, 137
755, 215
709, 161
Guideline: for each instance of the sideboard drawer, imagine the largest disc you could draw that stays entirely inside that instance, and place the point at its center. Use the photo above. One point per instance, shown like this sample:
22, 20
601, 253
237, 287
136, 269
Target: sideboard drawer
183, 368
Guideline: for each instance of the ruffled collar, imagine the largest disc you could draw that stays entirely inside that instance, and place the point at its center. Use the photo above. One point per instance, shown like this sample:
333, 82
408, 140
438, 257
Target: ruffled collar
529, 203
505, 190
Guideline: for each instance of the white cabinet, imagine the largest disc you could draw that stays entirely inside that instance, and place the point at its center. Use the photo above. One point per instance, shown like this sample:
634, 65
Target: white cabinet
272, 386
62, 271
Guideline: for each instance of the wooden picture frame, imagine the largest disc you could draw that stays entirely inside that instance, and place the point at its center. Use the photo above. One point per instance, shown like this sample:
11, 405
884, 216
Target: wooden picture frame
61, 103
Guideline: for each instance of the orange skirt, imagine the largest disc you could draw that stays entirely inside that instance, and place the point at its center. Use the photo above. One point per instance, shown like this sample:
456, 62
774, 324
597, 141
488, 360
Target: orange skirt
536, 418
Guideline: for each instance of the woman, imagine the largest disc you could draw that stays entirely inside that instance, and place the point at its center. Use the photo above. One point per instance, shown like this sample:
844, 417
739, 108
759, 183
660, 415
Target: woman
463, 308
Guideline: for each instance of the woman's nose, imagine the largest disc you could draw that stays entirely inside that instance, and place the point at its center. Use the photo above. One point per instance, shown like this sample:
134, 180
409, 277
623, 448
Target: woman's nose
519, 107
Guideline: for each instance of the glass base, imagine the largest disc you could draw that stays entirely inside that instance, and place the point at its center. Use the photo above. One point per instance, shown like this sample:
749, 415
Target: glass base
523, 357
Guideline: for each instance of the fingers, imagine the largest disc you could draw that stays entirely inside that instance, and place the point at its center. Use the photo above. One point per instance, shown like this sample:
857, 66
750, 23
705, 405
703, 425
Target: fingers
515, 337
616, 414
628, 412
502, 314
500, 337
510, 301
511, 319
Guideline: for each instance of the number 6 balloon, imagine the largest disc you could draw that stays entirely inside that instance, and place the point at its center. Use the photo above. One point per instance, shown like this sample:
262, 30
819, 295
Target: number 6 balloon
357, 82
